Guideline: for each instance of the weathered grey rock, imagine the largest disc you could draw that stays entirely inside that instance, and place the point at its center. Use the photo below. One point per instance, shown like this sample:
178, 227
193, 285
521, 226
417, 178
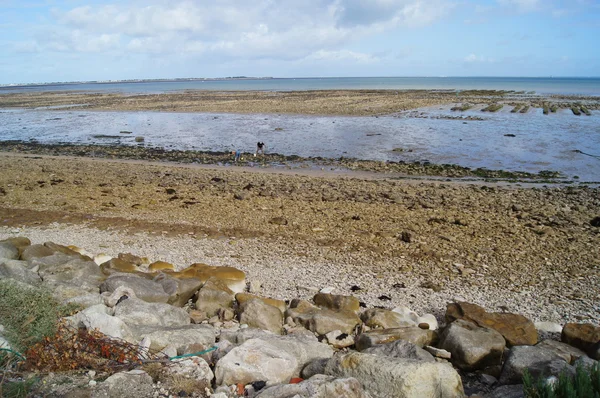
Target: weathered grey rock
180, 290
255, 360
509, 391
81, 274
322, 321
99, 317
567, 352
319, 386
8, 251
393, 377
241, 298
385, 319
181, 338
472, 347
121, 293
535, 359
550, 327
585, 362
337, 339
194, 368
135, 383
337, 302
314, 367
19, 242
240, 336
134, 311
35, 251
86, 301
257, 314
414, 335
144, 289
15, 269
401, 349
213, 296
584, 336
412, 316
438, 352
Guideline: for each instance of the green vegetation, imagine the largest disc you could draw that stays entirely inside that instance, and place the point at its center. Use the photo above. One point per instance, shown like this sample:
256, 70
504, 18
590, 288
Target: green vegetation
546, 109
553, 108
575, 110
586, 383
29, 314
17, 389
464, 107
493, 108
516, 108
585, 110
525, 109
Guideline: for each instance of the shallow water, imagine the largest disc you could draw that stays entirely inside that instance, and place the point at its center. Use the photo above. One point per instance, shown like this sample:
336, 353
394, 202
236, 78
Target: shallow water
541, 142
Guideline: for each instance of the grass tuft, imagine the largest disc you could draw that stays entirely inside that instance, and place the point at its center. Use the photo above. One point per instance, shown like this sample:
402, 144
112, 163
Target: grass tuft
586, 383
493, 108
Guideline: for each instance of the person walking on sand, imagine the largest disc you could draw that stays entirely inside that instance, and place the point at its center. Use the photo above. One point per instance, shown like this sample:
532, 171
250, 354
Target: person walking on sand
260, 148
237, 154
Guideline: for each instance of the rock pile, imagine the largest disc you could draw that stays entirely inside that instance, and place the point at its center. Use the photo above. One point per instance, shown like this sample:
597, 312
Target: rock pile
265, 347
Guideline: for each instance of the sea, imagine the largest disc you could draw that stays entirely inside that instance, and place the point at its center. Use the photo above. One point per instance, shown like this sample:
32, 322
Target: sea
588, 86
530, 142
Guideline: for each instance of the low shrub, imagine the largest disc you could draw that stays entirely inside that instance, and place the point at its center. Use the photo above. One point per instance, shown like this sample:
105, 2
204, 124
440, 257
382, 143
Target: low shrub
585, 384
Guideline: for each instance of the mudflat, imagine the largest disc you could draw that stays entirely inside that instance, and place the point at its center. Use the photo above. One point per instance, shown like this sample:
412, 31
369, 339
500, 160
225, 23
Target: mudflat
534, 251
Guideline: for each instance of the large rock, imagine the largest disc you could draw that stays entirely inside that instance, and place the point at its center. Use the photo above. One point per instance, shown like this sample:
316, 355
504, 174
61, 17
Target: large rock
81, 274
185, 339
568, 352
516, 329
414, 335
192, 368
135, 383
180, 290
322, 321
241, 298
214, 296
18, 270
537, 360
337, 302
257, 314
143, 288
99, 317
20, 242
255, 360
134, 311
472, 347
115, 265
36, 251
385, 319
412, 316
401, 349
394, 377
584, 336
318, 386
234, 278
8, 251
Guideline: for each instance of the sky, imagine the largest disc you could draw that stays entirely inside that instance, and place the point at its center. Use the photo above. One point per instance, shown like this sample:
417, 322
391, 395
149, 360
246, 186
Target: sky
72, 40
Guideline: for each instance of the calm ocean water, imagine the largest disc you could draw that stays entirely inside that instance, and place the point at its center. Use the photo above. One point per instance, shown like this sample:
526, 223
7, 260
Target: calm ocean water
540, 85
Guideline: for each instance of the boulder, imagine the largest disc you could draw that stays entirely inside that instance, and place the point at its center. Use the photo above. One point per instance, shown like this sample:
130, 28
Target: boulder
99, 317
134, 311
516, 329
132, 259
186, 339
255, 360
241, 298
83, 275
411, 316
550, 327
472, 347
232, 277
134, 383
160, 266
536, 360
18, 270
257, 314
35, 251
584, 336
415, 335
508, 391
567, 352
192, 368
337, 302
585, 362
143, 288
8, 251
395, 377
318, 386
385, 319
322, 321
401, 349
180, 290
213, 296
56, 248
117, 265
19, 242
337, 339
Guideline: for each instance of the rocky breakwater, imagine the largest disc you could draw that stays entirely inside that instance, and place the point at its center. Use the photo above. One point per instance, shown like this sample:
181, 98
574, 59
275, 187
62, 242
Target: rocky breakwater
216, 336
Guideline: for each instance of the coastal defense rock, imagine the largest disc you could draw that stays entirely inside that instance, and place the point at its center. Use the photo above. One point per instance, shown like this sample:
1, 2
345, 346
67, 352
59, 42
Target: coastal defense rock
393, 377
322, 321
16, 269
83, 275
516, 329
213, 296
410, 315
241, 298
35, 251
56, 248
117, 265
401, 349
8, 251
584, 336
143, 288
257, 314
255, 360
180, 290
415, 335
232, 277
194, 368
160, 266
198, 337
132, 259
337, 302
536, 360
20, 242
135, 383
385, 319
134, 311
566, 351
318, 386
472, 347
98, 317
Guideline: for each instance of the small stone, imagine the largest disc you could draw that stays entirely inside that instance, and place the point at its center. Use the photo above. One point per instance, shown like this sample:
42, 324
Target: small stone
438, 352
423, 325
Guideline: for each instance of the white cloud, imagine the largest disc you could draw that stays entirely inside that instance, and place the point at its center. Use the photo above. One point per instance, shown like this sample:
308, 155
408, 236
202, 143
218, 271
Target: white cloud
473, 58
342, 55
521, 5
